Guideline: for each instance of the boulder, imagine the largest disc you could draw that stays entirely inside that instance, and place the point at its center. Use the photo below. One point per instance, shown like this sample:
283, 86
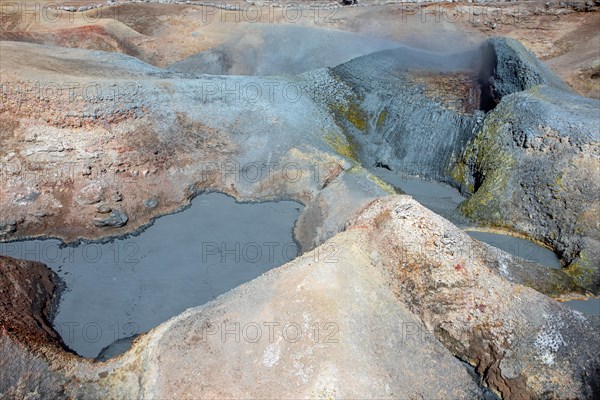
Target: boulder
116, 219
151, 202
8, 227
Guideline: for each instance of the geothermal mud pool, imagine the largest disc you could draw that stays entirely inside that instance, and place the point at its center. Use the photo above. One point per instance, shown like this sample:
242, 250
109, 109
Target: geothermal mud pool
438, 197
523, 248
591, 306
128, 286
444, 200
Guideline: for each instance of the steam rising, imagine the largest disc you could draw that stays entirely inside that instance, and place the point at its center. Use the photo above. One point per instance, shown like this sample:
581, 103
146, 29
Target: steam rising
281, 50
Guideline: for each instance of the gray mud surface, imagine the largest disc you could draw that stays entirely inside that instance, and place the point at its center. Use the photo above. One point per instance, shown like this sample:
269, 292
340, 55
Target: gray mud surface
523, 248
127, 286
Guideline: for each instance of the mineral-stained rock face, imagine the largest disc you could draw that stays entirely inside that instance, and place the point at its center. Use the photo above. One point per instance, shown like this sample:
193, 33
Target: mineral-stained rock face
535, 167
26, 300
28, 343
132, 140
525, 344
395, 109
33, 361
531, 163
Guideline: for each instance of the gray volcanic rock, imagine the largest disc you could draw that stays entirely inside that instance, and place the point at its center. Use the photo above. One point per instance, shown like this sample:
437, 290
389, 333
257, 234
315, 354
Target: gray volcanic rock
508, 67
407, 109
115, 219
532, 162
116, 348
103, 209
535, 167
24, 374
151, 202
7, 227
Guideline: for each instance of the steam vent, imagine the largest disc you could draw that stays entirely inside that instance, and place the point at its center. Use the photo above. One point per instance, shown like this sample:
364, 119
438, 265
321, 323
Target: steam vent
300, 199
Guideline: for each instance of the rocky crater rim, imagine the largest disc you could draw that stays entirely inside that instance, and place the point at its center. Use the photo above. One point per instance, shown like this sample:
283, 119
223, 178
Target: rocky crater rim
487, 153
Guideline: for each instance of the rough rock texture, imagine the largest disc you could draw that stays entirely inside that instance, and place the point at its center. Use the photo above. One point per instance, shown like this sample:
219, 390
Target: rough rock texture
563, 34
535, 167
116, 219
531, 163
524, 344
549, 281
335, 203
508, 67
26, 294
59, 179
407, 109
399, 266
63, 168
337, 331
32, 358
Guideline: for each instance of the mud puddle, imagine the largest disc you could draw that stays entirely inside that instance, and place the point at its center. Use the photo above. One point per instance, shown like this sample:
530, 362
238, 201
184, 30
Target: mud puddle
128, 286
